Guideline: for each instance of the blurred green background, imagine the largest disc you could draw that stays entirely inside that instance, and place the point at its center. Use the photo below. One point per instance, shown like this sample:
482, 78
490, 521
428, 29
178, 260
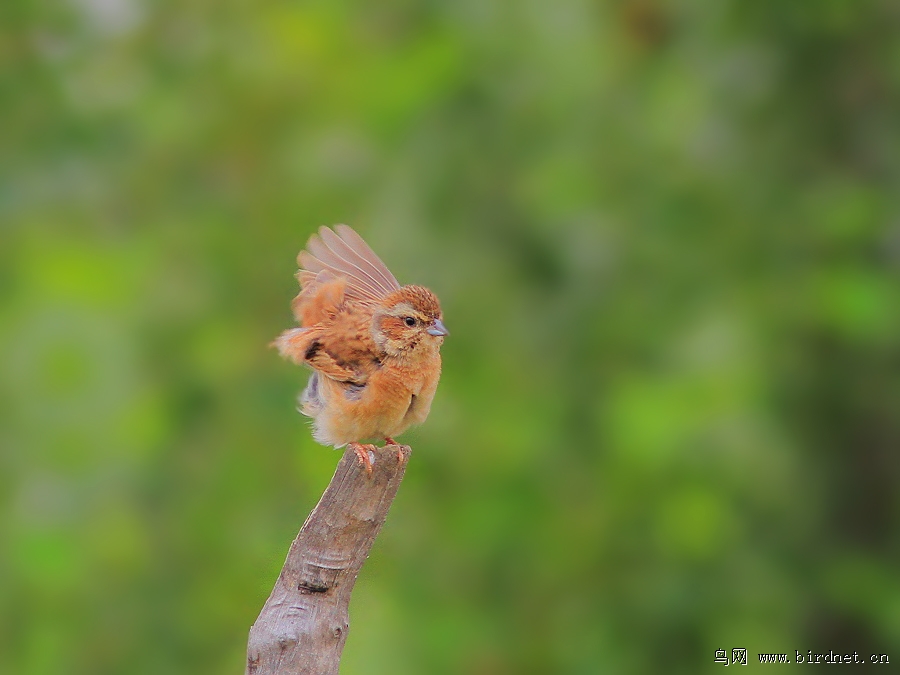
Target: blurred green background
666, 236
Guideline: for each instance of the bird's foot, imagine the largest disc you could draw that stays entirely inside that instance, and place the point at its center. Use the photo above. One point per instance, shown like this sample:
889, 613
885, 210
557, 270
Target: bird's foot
362, 451
390, 441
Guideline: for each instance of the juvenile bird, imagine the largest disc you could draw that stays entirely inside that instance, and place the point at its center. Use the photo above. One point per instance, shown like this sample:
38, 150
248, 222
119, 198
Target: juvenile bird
373, 345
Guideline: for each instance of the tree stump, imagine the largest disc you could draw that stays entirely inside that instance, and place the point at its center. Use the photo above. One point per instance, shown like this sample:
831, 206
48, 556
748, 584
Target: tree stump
303, 626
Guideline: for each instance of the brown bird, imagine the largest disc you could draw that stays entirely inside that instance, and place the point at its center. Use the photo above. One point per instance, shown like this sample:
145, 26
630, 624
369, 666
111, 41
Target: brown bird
373, 345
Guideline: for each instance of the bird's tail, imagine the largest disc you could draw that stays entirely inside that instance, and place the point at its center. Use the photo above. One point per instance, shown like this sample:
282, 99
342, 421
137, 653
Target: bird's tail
310, 400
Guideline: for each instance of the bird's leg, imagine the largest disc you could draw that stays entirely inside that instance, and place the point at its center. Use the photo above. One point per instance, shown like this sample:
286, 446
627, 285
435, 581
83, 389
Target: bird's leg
362, 452
390, 441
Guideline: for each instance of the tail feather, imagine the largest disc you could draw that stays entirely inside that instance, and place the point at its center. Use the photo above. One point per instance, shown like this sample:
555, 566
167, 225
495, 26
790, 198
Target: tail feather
310, 398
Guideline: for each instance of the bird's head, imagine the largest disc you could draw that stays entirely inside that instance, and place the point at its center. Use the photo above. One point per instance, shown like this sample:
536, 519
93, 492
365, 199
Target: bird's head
408, 321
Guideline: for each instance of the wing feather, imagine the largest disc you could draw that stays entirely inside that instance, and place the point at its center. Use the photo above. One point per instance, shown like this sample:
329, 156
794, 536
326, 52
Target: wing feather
311, 267
329, 248
365, 258
345, 255
319, 258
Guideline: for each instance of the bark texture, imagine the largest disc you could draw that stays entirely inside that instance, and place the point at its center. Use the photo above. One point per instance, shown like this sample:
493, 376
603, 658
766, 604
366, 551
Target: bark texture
303, 626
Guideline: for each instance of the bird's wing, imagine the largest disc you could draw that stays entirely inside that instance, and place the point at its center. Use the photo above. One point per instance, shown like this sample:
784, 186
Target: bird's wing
344, 254
342, 282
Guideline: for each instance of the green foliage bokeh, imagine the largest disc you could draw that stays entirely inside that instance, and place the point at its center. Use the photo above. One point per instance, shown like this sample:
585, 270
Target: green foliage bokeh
666, 237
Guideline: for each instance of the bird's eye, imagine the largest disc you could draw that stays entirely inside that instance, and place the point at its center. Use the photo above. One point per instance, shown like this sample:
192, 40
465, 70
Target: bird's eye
409, 321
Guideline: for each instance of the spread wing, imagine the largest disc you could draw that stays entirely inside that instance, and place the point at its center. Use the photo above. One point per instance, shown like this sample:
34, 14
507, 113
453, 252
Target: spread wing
342, 281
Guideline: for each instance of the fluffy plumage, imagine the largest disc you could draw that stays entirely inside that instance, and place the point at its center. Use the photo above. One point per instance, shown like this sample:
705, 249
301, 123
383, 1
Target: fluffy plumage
373, 345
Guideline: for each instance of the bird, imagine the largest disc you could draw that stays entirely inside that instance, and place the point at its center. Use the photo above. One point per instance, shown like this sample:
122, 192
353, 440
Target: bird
372, 344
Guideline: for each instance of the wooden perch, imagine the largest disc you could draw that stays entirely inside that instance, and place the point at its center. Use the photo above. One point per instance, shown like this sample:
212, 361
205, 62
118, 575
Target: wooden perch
303, 626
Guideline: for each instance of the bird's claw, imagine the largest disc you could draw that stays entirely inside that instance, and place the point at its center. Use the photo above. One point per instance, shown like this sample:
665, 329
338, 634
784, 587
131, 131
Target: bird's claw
362, 453
390, 441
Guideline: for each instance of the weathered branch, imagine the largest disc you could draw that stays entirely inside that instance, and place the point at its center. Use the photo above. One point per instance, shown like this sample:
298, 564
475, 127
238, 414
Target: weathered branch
302, 628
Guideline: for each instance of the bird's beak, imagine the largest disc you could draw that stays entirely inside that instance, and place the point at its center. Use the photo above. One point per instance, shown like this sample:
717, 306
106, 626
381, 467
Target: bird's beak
438, 329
